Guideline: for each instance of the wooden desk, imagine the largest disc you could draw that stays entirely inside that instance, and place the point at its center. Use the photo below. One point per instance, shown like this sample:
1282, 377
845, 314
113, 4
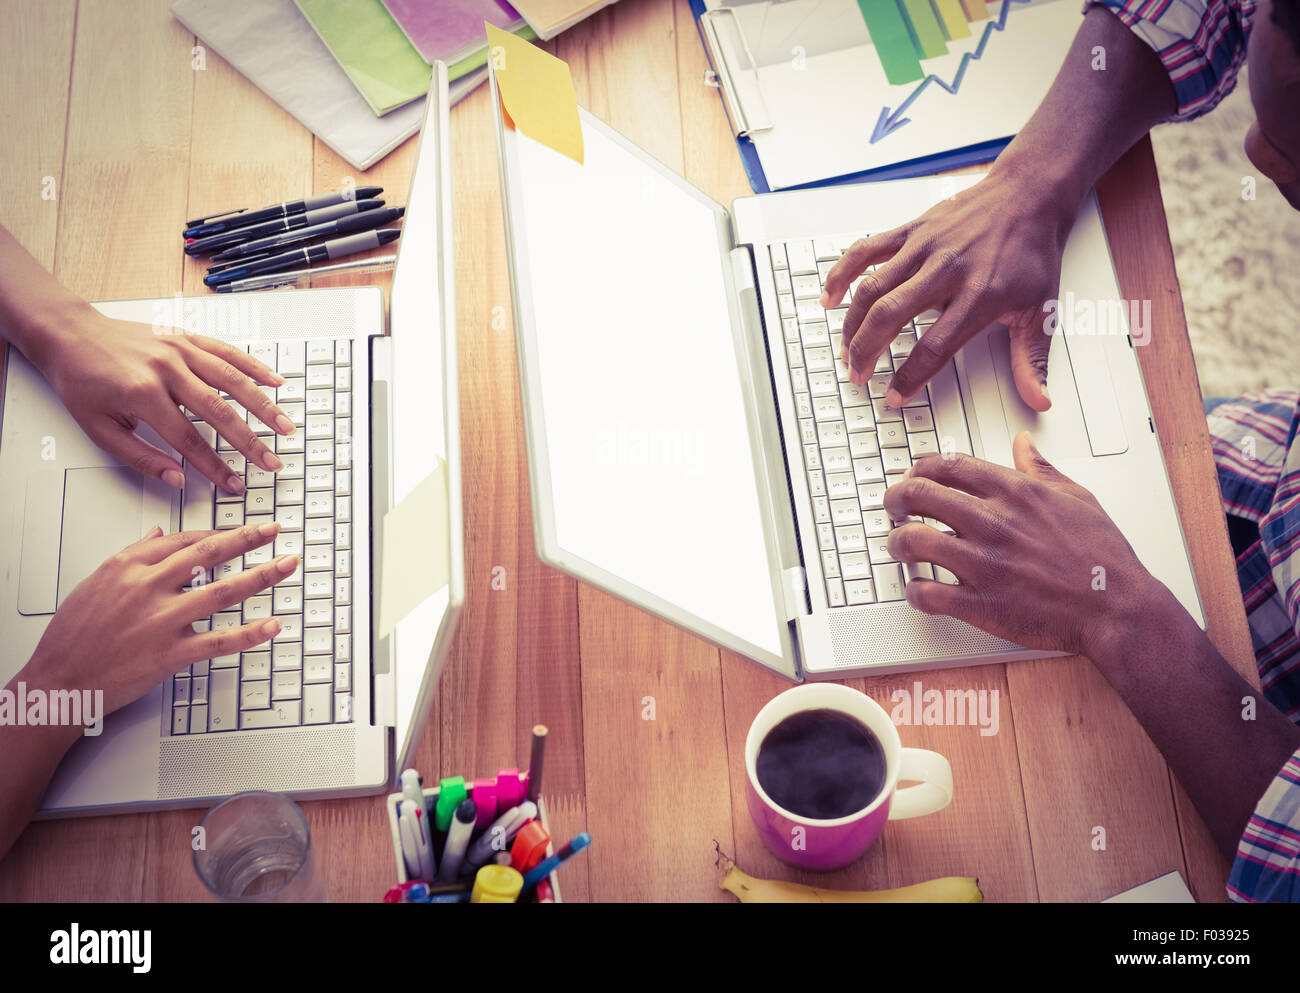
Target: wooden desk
107, 103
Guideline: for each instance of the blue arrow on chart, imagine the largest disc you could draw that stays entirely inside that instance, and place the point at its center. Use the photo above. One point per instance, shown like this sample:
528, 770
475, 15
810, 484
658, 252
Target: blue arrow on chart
889, 122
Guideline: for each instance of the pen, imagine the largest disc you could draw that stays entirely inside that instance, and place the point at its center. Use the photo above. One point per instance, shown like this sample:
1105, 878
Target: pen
547, 866
217, 242
535, 762
416, 818
243, 218
497, 838
413, 791
330, 250
406, 830
293, 277
338, 226
453, 852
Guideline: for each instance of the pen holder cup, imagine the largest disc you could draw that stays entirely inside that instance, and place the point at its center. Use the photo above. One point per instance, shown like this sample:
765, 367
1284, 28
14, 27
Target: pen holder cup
430, 800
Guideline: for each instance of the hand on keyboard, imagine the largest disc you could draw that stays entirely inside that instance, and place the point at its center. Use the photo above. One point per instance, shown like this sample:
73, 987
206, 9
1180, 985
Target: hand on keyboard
111, 375
991, 253
1037, 560
130, 624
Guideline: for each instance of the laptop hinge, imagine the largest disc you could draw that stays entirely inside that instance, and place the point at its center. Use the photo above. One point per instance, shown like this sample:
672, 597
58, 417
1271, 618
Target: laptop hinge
383, 684
794, 587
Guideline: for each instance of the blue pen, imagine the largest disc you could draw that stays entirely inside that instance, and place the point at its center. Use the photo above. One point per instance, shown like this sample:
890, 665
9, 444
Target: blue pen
548, 865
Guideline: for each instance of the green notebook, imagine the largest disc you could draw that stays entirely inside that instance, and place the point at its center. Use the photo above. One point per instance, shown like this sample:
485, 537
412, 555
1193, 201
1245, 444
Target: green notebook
366, 41
376, 54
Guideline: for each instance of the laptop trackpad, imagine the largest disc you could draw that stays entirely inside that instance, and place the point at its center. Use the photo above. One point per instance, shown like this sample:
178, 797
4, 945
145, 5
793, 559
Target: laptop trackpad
101, 516
1059, 432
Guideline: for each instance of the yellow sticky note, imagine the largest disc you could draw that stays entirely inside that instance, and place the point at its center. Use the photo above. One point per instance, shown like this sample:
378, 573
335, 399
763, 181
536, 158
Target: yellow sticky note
537, 95
416, 550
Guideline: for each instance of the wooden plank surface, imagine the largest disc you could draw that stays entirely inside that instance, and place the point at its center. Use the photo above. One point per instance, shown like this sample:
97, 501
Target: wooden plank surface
647, 722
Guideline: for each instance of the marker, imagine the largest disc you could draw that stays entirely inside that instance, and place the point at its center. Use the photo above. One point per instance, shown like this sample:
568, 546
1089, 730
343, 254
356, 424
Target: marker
485, 798
242, 218
549, 865
453, 853
357, 267
217, 242
497, 838
545, 891
408, 832
496, 884
535, 762
451, 791
530, 846
330, 250
510, 788
328, 229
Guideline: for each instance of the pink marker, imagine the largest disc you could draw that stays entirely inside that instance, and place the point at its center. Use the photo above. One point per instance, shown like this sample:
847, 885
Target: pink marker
510, 789
485, 801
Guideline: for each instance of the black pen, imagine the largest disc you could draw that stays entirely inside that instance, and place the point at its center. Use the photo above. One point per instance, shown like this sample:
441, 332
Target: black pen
294, 222
298, 257
243, 218
330, 229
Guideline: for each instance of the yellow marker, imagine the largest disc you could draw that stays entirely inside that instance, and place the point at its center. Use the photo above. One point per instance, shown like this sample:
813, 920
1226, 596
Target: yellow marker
537, 95
951, 18
975, 10
496, 884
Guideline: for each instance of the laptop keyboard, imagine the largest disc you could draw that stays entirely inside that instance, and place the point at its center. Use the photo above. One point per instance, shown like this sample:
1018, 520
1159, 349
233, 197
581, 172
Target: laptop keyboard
304, 676
854, 446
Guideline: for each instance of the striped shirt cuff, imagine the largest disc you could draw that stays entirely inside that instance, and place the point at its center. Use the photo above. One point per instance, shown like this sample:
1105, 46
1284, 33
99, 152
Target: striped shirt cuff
1267, 867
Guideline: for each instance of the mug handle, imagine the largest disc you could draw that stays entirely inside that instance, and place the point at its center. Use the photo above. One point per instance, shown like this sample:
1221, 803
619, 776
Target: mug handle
933, 790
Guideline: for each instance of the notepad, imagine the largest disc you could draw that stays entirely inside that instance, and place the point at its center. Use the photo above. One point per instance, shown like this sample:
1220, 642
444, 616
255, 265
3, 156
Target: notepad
536, 93
366, 41
549, 17
451, 30
271, 43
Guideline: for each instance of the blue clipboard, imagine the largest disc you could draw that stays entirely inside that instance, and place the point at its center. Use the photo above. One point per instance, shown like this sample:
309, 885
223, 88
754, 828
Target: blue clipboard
926, 165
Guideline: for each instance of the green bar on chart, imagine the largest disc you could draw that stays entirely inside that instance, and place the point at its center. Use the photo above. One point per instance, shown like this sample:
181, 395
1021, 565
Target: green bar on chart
927, 36
976, 10
892, 39
951, 18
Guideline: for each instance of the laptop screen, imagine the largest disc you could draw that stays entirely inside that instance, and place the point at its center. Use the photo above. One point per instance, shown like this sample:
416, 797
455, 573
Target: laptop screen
642, 467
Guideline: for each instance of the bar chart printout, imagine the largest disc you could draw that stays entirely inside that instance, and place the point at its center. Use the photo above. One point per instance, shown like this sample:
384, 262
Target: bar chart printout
906, 31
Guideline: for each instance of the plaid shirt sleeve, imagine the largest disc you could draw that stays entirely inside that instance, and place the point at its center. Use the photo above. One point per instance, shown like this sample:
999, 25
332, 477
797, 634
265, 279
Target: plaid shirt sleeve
1267, 867
1202, 44
1258, 461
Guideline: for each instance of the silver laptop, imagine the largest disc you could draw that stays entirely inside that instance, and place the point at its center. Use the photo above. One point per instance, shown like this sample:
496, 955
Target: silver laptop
333, 706
695, 446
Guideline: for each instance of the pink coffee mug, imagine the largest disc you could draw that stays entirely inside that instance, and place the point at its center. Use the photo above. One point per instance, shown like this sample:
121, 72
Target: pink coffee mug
812, 843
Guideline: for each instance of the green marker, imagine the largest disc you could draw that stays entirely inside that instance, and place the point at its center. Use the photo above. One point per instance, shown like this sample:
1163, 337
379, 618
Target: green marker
451, 792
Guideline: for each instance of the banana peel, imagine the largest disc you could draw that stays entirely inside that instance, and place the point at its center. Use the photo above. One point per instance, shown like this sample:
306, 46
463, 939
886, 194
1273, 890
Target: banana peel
747, 889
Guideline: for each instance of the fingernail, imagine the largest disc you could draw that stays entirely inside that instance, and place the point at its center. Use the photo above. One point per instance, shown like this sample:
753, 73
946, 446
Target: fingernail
893, 399
155, 531
1046, 396
907, 472
174, 477
269, 529
272, 462
270, 628
287, 563
234, 484
277, 379
826, 301
283, 424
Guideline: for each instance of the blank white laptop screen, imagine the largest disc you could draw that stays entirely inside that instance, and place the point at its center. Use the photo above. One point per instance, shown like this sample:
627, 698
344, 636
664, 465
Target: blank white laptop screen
651, 472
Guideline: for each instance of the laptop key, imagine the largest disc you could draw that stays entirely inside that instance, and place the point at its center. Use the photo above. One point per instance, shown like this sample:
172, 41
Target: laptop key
888, 579
221, 694
858, 591
855, 565
180, 720
198, 719
317, 703
285, 714
834, 593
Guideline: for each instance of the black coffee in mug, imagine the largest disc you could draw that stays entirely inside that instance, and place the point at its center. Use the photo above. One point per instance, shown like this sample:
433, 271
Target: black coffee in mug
821, 764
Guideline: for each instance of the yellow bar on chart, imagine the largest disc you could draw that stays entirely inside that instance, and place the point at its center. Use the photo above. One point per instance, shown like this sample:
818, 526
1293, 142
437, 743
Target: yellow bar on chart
951, 18
975, 10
